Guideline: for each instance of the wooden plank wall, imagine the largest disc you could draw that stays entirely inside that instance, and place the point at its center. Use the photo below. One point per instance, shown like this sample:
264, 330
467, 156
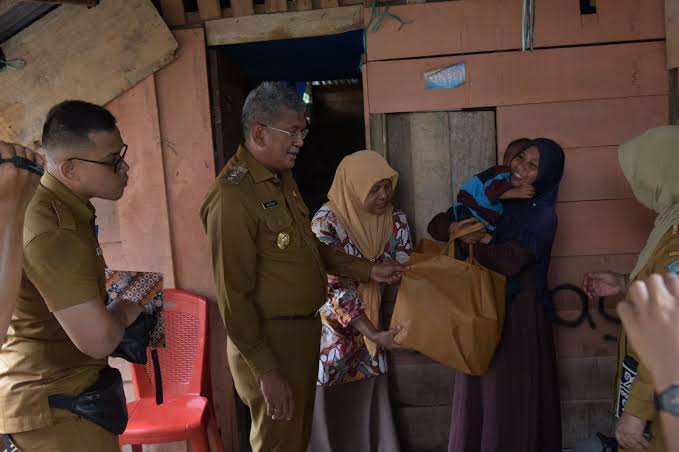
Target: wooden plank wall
434, 154
464, 27
590, 98
601, 227
156, 225
68, 55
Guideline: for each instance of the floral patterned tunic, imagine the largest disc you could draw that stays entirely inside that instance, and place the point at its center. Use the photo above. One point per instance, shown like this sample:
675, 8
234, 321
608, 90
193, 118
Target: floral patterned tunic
344, 357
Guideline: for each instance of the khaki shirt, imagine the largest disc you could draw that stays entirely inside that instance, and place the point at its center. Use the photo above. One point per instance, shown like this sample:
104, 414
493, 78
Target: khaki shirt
267, 262
641, 399
63, 267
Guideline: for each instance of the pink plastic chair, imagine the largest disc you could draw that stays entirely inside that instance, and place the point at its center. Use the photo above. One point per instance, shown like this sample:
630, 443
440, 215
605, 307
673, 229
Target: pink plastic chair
185, 414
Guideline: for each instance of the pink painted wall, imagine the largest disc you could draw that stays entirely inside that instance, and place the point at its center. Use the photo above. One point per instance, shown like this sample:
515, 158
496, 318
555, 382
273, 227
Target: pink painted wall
165, 119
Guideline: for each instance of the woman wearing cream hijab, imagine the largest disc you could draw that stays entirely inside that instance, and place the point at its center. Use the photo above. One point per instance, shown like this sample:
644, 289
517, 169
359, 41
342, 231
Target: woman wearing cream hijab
352, 410
650, 163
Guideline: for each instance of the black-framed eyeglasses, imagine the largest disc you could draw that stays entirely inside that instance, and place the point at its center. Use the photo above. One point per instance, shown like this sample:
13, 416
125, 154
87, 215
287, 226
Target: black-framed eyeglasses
301, 135
115, 164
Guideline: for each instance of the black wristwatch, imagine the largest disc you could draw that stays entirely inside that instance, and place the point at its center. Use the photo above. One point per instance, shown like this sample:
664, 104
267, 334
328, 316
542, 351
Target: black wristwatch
668, 400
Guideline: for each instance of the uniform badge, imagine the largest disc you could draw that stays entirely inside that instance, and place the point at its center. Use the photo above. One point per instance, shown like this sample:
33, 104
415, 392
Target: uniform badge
674, 267
236, 175
269, 204
283, 240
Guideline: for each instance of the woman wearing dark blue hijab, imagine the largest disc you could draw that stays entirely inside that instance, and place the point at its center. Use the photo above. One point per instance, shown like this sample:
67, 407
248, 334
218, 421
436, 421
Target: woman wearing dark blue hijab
515, 406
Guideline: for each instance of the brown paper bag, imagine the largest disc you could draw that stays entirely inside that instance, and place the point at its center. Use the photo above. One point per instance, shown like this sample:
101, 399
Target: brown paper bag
450, 310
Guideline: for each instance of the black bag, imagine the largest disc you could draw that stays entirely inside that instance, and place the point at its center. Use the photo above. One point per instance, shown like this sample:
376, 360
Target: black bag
133, 347
103, 403
136, 339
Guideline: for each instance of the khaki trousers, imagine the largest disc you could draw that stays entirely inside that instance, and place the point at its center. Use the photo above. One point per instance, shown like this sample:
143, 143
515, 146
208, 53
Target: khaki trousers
295, 344
68, 433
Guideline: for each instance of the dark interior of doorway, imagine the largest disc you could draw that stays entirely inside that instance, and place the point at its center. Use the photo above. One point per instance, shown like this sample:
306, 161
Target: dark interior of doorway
326, 72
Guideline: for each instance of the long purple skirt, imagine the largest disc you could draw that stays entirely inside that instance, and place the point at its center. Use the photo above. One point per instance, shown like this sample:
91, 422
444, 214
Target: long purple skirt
515, 406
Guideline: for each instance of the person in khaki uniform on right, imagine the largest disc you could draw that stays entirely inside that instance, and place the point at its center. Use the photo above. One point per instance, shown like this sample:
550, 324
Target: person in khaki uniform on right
62, 333
650, 163
271, 271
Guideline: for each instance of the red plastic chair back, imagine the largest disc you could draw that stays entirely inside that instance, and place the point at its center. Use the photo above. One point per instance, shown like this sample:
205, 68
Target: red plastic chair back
182, 360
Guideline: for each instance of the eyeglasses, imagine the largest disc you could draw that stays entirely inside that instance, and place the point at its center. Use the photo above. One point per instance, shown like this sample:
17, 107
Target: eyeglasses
301, 135
115, 164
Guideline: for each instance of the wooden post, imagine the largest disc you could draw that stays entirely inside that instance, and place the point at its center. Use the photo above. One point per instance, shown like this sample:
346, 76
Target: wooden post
378, 133
328, 4
209, 9
303, 5
173, 12
242, 8
672, 33
227, 95
275, 6
674, 96
672, 43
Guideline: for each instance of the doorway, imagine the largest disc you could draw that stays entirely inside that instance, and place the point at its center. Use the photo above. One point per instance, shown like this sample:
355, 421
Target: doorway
324, 70
326, 73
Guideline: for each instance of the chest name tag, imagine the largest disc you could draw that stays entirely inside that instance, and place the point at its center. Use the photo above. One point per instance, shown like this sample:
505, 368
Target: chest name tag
270, 204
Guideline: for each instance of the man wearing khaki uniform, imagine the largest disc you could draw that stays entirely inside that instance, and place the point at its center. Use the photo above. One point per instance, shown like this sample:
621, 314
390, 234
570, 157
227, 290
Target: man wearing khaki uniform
271, 271
61, 332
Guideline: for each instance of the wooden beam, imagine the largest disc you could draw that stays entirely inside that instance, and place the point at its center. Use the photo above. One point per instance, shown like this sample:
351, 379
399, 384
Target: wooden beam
585, 227
209, 9
581, 124
277, 26
106, 66
71, 2
518, 78
173, 12
672, 33
275, 6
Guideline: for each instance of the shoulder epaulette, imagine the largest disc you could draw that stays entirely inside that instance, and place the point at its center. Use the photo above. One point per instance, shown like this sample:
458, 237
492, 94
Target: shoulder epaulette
64, 215
236, 174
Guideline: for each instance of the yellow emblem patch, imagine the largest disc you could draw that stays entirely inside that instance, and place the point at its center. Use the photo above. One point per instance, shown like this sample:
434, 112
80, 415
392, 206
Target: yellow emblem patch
283, 240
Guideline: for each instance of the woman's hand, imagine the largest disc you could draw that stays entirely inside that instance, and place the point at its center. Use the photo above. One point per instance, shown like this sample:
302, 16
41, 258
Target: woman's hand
521, 192
603, 284
387, 272
385, 339
630, 433
472, 237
